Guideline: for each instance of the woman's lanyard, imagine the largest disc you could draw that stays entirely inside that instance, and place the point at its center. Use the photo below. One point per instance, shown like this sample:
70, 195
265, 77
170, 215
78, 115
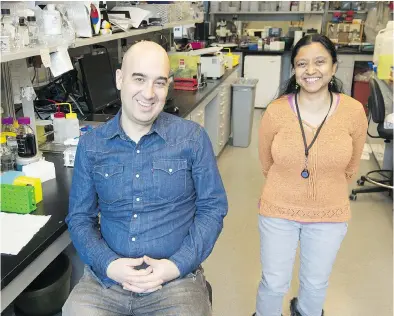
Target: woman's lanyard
305, 172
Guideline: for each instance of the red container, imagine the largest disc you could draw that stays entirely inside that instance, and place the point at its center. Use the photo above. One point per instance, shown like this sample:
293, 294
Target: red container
361, 92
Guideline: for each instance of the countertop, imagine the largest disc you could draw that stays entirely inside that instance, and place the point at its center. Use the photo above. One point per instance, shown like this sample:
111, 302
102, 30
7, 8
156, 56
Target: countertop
341, 51
55, 203
187, 101
261, 52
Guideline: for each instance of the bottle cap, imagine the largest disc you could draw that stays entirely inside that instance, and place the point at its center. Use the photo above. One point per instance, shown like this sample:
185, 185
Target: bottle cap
51, 7
31, 18
5, 11
24, 120
21, 20
7, 120
71, 115
59, 115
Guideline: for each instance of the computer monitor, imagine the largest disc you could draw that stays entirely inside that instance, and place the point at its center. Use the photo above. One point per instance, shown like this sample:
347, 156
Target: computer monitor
257, 33
98, 82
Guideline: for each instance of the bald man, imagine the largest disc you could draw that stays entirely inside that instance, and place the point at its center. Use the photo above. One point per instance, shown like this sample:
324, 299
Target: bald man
154, 180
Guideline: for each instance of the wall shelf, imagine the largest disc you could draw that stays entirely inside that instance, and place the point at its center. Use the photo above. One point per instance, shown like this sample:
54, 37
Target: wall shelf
268, 12
344, 11
79, 42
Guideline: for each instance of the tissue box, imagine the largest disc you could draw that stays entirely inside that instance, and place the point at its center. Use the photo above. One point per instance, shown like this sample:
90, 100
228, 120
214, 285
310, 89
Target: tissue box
45, 170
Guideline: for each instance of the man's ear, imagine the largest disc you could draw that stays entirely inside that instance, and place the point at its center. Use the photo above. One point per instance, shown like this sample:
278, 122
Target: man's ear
119, 79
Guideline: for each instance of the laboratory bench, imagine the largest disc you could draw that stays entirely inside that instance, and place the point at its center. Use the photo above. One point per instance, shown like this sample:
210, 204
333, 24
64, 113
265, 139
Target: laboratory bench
18, 271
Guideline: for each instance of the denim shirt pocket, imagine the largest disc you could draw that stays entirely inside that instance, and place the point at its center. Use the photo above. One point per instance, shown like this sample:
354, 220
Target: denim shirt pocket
109, 182
169, 178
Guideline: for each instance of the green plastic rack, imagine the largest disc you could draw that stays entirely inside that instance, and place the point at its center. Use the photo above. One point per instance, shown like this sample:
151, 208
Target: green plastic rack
17, 199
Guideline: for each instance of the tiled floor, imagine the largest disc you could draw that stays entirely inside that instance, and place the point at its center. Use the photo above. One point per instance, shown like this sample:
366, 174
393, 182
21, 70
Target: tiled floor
362, 278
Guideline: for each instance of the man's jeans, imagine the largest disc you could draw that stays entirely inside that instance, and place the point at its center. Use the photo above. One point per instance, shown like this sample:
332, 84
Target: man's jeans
188, 296
319, 244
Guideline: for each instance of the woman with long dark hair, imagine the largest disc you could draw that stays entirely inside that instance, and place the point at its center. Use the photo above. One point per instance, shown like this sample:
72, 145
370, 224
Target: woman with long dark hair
310, 143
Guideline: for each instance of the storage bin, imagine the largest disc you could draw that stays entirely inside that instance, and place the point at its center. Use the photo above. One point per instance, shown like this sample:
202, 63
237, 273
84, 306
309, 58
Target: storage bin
46, 295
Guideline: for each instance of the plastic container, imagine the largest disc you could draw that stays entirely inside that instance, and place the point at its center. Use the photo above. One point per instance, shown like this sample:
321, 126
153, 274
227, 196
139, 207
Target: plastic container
384, 42
21, 162
33, 31
361, 92
52, 20
48, 292
260, 44
59, 127
72, 124
244, 92
26, 139
7, 163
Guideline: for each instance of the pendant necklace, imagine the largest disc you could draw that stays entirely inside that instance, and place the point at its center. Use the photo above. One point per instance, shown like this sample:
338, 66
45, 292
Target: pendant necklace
305, 171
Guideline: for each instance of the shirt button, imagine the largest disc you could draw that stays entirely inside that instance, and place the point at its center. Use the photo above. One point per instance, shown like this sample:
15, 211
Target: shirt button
135, 216
137, 175
106, 175
133, 239
137, 199
138, 151
170, 170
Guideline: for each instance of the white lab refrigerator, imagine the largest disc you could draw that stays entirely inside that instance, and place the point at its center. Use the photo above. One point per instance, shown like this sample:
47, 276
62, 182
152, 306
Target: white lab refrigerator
267, 69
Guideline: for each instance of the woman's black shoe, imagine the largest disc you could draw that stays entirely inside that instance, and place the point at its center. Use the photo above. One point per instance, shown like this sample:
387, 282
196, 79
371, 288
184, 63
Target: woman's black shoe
293, 308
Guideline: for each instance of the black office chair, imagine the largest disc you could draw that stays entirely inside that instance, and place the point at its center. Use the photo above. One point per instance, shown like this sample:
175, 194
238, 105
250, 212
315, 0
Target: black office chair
382, 180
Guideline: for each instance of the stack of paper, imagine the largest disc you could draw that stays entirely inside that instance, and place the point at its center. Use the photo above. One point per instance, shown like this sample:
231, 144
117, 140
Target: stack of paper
18, 229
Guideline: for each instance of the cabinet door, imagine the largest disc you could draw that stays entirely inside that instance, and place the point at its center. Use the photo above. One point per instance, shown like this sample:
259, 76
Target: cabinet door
267, 69
198, 115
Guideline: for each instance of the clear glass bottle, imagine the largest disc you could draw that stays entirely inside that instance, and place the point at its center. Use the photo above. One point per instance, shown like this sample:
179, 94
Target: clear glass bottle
7, 125
9, 131
33, 31
5, 156
7, 31
21, 34
26, 139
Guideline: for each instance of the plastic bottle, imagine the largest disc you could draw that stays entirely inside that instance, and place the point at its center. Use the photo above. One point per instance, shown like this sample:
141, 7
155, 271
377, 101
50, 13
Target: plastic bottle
26, 139
7, 31
72, 124
52, 20
33, 31
59, 127
384, 40
7, 163
260, 44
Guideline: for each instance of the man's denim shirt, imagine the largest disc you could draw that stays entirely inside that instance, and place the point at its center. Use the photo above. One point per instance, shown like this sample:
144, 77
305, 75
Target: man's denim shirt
162, 197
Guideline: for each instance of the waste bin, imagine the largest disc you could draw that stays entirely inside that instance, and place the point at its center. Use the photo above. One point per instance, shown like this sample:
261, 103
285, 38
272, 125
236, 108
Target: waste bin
244, 92
46, 295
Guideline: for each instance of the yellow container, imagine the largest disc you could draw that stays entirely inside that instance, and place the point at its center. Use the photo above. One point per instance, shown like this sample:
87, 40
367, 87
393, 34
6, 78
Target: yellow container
384, 66
34, 182
234, 57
